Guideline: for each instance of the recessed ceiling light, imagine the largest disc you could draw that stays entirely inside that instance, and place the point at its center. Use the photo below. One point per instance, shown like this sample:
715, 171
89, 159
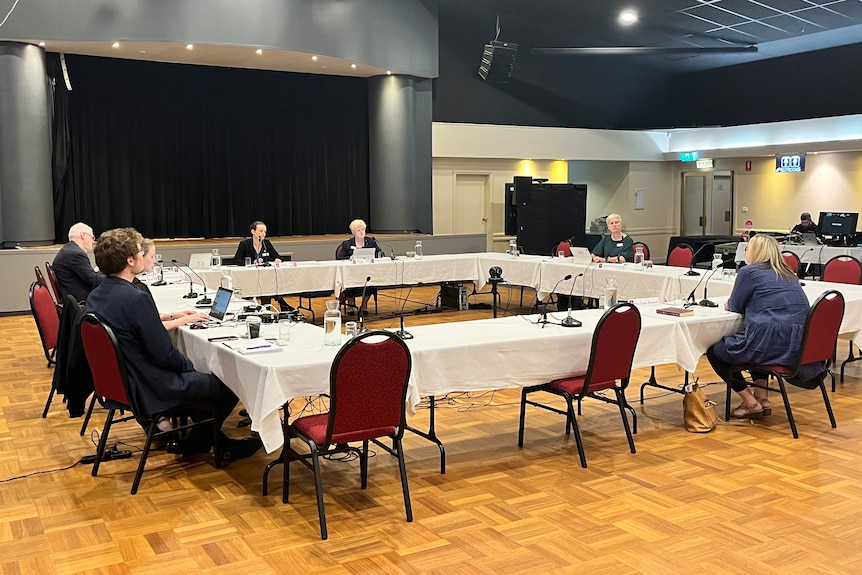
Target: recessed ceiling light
314, 58
189, 46
353, 66
42, 44
628, 17
115, 45
388, 72
258, 51
143, 51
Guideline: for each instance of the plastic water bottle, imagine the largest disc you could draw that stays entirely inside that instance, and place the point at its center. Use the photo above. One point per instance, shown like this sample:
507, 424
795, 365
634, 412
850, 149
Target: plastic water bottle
418, 249
639, 254
332, 323
215, 261
610, 294
717, 261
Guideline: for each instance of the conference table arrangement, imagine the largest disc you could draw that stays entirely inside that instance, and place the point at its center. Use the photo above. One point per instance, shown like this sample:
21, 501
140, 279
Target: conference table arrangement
505, 352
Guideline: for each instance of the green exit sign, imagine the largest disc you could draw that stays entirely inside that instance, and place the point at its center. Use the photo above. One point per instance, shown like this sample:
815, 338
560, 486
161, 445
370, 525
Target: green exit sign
689, 156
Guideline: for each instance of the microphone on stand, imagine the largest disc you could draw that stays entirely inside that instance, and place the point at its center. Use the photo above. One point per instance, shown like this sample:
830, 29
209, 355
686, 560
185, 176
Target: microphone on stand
402, 333
361, 320
192, 294
391, 249
691, 271
544, 319
161, 281
706, 302
569, 321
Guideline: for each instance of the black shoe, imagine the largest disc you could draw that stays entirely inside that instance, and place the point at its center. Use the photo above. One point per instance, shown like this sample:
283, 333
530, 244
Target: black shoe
240, 448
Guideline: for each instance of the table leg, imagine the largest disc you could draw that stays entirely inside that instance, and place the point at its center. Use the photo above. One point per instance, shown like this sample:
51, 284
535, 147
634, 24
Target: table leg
431, 434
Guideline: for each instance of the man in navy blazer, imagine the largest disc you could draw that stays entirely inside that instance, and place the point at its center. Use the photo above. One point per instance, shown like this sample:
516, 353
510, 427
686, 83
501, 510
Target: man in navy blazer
160, 376
75, 273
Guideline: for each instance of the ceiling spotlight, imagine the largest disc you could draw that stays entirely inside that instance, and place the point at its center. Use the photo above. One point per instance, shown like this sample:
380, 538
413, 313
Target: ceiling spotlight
42, 44
189, 46
388, 72
314, 58
628, 17
258, 51
115, 45
353, 66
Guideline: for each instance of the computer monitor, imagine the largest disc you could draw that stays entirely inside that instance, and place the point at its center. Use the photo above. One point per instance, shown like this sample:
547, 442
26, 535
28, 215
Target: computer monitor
837, 223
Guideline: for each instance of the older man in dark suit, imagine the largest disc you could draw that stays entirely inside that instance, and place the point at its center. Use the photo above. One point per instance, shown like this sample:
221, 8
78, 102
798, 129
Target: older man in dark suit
75, 273
160, 376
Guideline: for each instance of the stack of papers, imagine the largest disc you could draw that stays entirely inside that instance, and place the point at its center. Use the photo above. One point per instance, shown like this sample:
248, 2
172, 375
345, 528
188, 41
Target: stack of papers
253, 346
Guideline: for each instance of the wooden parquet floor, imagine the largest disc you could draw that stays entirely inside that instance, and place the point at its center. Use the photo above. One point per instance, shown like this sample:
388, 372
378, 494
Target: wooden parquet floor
742, 499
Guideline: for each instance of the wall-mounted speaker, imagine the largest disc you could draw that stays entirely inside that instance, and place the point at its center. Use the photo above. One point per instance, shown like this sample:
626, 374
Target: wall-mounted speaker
498, 60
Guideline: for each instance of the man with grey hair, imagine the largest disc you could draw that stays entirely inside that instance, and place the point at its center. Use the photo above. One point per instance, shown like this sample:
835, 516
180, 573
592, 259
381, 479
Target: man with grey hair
72, 266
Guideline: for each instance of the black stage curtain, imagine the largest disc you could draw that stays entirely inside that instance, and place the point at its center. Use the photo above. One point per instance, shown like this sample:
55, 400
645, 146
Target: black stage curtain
194, 151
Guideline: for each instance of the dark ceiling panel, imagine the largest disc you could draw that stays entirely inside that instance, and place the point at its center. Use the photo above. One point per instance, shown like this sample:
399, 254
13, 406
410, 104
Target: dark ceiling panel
827, 19
717, 17
751, 10
761, 32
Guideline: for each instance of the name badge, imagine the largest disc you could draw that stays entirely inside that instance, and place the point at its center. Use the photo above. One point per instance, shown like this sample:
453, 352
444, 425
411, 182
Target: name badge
266, 254
619, 245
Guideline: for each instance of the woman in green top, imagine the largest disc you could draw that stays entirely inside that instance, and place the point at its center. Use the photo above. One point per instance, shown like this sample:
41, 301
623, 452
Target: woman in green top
616, 247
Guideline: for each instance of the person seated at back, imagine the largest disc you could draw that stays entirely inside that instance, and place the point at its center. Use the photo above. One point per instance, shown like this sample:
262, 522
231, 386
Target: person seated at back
75, 274
806, 225
616, 246
160, 376
260, 251
345, 252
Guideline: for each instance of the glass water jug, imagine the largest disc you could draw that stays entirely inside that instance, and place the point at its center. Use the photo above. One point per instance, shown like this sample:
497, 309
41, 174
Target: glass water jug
639, 254
215, 261
418, 249
610, 295
332, 323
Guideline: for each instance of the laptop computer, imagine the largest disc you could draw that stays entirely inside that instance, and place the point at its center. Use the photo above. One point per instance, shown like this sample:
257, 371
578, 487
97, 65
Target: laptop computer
581, 255
220, 303
364, 253
200, 261
810, 239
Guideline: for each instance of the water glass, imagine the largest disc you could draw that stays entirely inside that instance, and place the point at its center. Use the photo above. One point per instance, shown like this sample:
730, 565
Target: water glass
248, 262
411, 254
284, 327
561, 254
350, 329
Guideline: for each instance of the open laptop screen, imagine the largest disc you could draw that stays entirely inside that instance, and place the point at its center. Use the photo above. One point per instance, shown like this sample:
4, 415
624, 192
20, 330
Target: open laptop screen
220, 303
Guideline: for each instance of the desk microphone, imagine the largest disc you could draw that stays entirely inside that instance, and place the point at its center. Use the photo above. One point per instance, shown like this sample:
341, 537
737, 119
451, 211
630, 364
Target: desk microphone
706, 302
402, 333
569, 321
192, 294
391, 249
691, 271
691, 299
544, 319
161, 275
361, 320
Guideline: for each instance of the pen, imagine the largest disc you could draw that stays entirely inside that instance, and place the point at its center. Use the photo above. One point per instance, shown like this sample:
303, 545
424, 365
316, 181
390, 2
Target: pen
258, 346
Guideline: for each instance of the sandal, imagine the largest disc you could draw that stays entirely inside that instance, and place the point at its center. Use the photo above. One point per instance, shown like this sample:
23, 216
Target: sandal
748, 411
760, 395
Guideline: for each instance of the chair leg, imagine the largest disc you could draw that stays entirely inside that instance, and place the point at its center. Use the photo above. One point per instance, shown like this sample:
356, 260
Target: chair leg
267, 469
402, 469
576, 430
621, 402
727, 402
103, 441
318, 487
363, 465
144, 454
51, 397
784, 397
826, 401
88, 415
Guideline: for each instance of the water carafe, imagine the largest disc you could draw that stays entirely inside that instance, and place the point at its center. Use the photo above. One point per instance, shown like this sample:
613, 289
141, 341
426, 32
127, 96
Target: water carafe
717, 261
332, 323
215, 261
639, 254
513, 248
226, 279
418, 250
610, 295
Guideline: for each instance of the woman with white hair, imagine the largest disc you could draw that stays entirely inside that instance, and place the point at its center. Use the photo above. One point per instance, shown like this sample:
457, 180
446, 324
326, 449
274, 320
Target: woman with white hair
616, 247
345, 252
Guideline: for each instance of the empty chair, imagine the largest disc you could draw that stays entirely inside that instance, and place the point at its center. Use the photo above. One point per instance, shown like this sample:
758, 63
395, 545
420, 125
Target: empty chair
681, 256
564, 247
111, 381
792, 261
47, 321
843, 270
818, 343
367, 394
611, 355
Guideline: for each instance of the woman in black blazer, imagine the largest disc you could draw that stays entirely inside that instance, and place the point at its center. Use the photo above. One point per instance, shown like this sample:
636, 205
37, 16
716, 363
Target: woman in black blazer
261, 252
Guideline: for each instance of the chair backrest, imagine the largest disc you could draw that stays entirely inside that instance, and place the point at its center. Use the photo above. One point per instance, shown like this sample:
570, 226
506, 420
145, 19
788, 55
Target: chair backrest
643, 246
52, 278
681, 256
564, 246
792, 261
368, 387
614, 342
45, 314
338, 251
821, 328
105, 359
843, 270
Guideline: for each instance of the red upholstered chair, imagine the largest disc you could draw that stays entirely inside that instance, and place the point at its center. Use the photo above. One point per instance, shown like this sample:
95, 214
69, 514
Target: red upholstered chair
613, 349
643, 246
111, 381
52, 279
47, 321
564, 246
367, 392
792, 261
681, 256
818, 343
843, 270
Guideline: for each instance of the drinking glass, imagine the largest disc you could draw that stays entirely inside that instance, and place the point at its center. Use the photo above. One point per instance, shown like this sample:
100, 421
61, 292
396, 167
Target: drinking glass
284, 327
248, 262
